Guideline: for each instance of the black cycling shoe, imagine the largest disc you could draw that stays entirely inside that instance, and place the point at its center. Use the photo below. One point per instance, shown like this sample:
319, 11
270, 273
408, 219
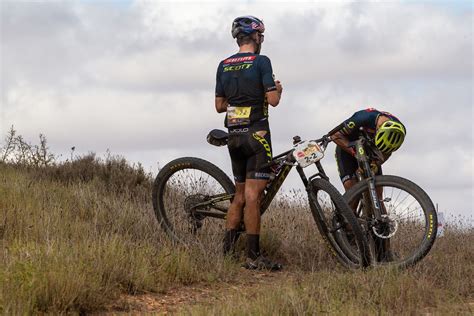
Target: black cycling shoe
262, 263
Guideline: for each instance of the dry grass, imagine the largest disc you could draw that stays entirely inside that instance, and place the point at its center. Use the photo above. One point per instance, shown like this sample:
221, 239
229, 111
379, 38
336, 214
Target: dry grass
75, 247
76, 235
442, 284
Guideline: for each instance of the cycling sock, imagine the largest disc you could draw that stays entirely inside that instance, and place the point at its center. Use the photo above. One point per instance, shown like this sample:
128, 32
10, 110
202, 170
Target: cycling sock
253, 246
230, 238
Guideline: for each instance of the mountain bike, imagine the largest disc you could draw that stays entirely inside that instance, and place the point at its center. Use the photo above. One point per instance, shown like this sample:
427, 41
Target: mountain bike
398, 217
191, 197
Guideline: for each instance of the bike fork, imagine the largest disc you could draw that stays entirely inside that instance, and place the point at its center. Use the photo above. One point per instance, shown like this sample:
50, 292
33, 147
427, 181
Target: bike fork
369, 177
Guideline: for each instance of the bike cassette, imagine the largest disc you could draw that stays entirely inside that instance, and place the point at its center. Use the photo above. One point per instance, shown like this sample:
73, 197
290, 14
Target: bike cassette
386, 228
190, 203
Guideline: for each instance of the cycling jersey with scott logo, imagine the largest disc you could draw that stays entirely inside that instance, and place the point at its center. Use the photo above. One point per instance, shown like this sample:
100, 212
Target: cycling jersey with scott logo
244, 79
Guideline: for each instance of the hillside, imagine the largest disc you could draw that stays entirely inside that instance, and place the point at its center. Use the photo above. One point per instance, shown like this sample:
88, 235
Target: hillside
81, 237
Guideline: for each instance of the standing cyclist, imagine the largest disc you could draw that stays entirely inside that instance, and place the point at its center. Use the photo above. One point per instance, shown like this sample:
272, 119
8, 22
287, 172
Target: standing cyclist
244, 88
387, 134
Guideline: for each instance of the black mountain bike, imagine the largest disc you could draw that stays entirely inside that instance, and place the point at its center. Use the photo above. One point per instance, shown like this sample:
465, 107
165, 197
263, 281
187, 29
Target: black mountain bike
398, 217
191, 197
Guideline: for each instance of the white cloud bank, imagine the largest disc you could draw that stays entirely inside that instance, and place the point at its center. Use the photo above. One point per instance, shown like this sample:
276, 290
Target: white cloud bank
139, 78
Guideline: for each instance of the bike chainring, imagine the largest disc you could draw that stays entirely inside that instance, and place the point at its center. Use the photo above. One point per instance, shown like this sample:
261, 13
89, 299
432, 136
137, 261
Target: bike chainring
385, 228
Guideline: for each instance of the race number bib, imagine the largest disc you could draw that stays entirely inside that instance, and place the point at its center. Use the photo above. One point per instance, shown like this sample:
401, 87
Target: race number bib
307, 153
238, 115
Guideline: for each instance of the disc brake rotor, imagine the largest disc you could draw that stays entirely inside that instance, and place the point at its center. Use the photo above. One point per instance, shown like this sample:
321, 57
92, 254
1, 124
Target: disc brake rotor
386, 228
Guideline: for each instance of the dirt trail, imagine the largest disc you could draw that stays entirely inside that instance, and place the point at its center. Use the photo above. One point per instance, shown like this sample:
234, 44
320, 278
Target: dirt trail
203, 293
177, 299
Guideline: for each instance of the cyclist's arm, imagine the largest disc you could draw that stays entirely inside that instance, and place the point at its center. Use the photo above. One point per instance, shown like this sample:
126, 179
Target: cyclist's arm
340, 133
221, 104
221, 99
342, 141
273, 97
273, 89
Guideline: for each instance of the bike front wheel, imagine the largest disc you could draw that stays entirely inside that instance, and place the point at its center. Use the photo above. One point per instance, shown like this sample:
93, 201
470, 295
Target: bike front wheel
191, 197
409, 223
334, 217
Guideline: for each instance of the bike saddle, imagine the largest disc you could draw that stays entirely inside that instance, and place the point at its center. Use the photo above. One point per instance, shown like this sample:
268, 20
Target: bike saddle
217, 137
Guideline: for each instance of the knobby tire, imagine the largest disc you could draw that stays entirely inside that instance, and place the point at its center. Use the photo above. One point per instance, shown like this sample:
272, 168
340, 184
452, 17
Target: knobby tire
326, 225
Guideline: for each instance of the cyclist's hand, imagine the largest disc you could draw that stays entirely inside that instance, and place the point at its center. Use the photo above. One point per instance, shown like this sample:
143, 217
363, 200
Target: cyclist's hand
279, 86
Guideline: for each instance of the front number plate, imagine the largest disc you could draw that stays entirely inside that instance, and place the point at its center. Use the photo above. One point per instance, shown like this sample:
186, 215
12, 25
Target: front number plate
307, 153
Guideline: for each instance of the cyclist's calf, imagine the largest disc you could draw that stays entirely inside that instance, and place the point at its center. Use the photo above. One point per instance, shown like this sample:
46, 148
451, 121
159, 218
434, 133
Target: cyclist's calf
234, 214
253, 193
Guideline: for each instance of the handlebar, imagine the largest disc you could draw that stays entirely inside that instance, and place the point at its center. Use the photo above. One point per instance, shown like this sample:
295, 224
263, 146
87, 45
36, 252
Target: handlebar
324, 141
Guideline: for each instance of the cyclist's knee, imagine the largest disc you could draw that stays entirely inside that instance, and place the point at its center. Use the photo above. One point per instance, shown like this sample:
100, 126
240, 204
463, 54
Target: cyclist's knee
252, 197
349, 183
239, 199
239, 196
253, 191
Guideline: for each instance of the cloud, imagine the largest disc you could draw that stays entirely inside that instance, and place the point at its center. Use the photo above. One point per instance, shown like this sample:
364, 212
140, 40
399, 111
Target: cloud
139, 79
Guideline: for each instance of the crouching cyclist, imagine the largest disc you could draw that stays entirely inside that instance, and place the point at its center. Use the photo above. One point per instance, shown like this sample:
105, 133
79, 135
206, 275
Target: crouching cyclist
387, 134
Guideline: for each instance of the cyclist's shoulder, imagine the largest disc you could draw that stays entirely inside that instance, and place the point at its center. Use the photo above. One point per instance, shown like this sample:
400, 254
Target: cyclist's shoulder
264, 64
226, 59
368, 111
222, 62
361, 118
263, 58
390, 115
356, 115
366, 114
375, 112
244, 57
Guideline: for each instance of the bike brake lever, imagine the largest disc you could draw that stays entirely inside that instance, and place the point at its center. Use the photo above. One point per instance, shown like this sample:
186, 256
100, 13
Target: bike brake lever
324, 141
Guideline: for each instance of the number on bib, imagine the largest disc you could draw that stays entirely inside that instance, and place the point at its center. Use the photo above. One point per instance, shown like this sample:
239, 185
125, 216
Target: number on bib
238, 115
307, 153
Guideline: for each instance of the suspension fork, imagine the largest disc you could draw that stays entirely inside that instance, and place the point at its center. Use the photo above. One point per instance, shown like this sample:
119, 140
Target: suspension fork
368, 176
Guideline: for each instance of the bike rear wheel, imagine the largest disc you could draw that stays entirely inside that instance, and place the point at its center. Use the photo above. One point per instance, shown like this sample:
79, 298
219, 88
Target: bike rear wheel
334, 217
183, 189
410, 226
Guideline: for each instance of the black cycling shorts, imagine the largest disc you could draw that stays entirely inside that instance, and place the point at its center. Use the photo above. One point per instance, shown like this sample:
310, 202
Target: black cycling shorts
248, 152
347, 165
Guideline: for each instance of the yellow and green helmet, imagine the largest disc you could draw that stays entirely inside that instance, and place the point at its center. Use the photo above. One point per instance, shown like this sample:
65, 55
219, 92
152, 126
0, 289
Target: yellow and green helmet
390, 136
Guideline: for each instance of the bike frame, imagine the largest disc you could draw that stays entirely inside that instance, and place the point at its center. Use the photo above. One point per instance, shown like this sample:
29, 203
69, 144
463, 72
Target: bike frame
285, 163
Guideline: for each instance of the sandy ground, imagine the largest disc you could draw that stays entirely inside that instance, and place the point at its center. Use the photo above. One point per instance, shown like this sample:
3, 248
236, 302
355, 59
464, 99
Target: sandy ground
177, 298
